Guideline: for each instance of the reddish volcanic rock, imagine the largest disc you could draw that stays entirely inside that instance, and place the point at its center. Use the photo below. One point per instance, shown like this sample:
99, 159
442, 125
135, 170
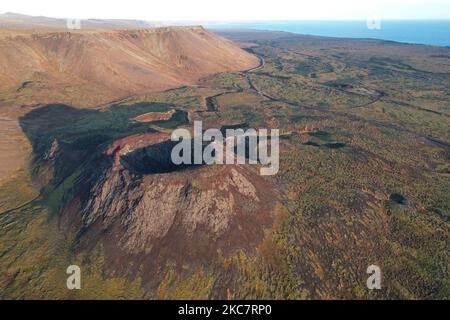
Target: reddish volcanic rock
107, 65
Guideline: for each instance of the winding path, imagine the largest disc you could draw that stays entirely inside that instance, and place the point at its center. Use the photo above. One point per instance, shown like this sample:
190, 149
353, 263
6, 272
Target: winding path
213, 106
347, 115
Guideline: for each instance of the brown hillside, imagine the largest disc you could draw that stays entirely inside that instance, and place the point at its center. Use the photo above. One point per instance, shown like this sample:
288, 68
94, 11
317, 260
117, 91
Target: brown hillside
107, 65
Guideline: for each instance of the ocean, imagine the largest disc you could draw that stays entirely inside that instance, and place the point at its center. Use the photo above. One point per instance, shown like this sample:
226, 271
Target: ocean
431, 32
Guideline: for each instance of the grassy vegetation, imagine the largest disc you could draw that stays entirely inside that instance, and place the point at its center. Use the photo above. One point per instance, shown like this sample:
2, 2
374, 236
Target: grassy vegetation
17, 191
349, 158
197, 285
340, 176
91, 128
35, 255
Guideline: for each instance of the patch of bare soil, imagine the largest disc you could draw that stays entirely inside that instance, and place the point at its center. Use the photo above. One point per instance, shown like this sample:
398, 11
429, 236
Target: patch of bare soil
154, 116
116, 63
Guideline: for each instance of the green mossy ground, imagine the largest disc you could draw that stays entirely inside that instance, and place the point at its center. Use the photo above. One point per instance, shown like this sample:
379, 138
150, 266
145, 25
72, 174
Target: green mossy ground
334, 218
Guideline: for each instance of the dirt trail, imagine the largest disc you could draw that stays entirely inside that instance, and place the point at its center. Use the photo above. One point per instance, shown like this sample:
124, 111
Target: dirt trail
347, 115
212, 105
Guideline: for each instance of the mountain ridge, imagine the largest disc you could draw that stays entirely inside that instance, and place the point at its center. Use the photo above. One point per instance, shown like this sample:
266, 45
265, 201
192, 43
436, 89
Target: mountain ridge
112, 64
22, 21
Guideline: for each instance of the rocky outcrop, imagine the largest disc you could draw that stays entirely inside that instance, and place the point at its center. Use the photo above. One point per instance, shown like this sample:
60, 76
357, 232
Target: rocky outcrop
186, 201
203, 208
51, 153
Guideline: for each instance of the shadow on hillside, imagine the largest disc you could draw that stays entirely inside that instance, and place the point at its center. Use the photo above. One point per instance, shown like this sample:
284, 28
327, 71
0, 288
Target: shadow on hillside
70, 136
85, 128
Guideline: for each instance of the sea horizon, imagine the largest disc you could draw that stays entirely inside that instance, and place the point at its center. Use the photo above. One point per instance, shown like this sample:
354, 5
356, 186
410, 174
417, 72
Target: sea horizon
425, 32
